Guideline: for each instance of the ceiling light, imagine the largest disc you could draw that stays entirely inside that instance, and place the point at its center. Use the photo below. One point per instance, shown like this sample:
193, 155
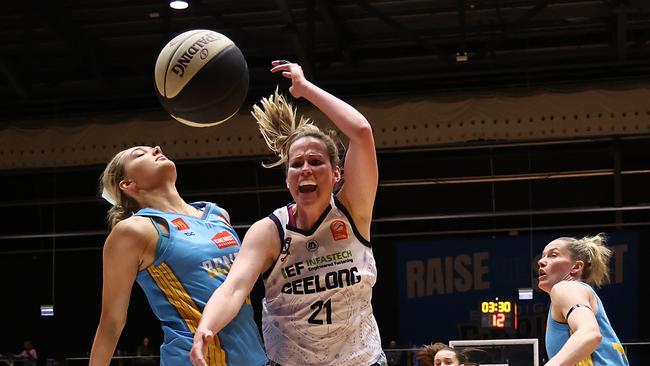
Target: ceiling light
525, 293
178, 4
47, 310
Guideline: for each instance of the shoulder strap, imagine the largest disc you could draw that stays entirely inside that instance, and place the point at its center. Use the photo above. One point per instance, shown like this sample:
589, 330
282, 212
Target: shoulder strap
163, 238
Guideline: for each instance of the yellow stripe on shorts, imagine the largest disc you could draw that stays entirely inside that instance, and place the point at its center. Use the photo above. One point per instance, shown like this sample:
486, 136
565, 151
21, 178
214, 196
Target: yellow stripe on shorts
186, 307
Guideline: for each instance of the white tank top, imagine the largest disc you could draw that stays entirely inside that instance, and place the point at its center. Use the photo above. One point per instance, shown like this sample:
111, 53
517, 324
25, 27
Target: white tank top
317, 307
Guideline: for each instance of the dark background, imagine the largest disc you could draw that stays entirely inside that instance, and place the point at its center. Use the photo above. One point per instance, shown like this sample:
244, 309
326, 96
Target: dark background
62, 59
64, 202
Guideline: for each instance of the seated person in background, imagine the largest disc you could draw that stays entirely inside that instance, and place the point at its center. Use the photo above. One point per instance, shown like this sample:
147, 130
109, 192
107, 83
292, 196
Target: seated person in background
439, 354
145, 351
393, 355
28, 355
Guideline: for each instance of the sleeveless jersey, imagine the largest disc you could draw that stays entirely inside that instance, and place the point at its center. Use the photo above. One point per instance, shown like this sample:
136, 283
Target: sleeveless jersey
317, 308
191, 262
608, 353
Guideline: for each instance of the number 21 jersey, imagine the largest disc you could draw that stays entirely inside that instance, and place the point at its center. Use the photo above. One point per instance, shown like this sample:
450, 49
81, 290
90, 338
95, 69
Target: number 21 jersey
317, 308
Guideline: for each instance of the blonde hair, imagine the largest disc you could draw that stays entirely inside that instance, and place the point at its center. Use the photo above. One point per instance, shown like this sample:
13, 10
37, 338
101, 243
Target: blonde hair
427, 354
110, 179
280, 128
595, 255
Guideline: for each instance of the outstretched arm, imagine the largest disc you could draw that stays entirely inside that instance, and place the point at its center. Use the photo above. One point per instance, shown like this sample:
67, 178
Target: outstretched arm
361, 173
585, 336
259, 250
121, 258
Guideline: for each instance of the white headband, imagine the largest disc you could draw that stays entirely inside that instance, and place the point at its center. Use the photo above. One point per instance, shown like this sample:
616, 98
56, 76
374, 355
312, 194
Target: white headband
107, 196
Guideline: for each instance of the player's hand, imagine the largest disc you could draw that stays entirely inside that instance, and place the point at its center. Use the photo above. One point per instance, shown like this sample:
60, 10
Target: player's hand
294, 72
202, 338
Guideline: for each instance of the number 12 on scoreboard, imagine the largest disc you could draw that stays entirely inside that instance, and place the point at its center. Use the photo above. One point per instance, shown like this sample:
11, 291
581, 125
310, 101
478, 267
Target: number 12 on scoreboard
498, 314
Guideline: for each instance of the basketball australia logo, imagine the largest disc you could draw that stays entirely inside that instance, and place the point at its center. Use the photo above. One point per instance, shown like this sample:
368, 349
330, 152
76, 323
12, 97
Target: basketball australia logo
311, 245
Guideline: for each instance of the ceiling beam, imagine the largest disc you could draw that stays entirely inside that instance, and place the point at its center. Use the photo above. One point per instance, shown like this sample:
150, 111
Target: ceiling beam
240, 34
12, 79
77, 42
342, 35
296, 40
508, 29
403, 30
620, 14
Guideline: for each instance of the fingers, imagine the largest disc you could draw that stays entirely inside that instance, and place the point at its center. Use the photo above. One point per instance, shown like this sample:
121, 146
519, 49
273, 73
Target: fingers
200, 348
280, 62
284, 65
197, 358
197, 353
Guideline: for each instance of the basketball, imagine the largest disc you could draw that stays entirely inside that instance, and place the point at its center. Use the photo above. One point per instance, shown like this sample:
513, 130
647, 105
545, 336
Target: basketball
201, 78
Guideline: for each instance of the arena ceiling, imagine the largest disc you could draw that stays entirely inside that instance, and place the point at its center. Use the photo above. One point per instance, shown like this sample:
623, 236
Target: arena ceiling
61, 58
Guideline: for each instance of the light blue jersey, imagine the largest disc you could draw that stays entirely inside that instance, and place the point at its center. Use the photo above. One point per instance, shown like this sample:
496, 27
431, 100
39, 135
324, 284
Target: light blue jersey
191, 262
609, 352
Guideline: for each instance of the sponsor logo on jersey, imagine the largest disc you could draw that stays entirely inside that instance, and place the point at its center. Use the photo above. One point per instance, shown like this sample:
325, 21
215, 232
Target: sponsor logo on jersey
224, 239
284, 251
320, 282
339, 230
343, 277
328, 260
180, 224
311, 245
219, 266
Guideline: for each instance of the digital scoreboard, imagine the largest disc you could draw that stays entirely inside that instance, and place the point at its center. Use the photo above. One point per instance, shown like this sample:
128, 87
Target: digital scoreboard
497, 313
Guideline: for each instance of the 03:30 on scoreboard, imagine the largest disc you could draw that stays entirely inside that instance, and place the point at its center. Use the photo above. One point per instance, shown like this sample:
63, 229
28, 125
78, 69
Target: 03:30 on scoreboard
498, 313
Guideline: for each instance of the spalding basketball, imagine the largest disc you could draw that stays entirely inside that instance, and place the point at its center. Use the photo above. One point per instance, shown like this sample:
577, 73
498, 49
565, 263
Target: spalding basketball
201, 78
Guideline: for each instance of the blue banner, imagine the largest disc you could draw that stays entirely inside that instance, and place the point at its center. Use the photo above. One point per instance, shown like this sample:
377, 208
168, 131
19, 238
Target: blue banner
442, 284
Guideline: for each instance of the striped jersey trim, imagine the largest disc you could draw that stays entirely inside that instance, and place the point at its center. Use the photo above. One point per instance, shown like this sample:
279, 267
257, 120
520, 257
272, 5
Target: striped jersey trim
186, 307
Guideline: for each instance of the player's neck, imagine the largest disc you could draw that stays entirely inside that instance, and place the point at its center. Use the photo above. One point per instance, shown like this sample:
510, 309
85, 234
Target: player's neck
307, 215
170, 201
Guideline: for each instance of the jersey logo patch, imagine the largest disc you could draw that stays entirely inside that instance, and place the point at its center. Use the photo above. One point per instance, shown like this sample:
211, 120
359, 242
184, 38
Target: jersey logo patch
180, 224
311, 245
339, 230
224, 240
284, 251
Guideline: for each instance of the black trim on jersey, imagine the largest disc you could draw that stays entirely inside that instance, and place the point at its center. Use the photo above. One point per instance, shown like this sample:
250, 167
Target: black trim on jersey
360, 237
278, 225
314, 227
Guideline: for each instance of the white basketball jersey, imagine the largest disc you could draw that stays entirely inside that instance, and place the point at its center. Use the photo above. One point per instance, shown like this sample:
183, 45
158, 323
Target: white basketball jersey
317, 307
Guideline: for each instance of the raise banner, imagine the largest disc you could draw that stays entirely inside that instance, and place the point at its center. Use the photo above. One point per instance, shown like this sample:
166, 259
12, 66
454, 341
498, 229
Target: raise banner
450, 289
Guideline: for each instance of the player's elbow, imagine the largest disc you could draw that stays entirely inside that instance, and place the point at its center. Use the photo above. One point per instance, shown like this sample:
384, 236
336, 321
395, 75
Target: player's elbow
362, 130
594, 337
112, 323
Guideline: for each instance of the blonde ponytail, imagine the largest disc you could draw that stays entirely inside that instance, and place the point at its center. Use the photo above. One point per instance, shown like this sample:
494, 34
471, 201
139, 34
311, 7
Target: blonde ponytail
277, 121
110, 179
596, 256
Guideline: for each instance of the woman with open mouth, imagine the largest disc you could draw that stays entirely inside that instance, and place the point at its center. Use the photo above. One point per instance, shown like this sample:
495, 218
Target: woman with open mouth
314, 254
578, 331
